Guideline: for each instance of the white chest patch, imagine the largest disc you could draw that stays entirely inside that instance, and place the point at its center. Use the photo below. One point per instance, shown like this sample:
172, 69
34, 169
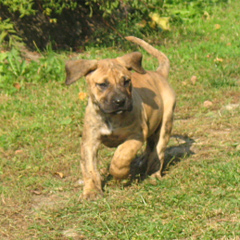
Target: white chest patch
106, 129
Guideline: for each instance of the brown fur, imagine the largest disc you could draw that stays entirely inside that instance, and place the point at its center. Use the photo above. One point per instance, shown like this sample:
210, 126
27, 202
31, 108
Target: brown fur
124, 110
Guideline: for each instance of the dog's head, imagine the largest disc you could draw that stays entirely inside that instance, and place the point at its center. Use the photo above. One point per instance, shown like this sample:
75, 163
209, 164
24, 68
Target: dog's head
109, 80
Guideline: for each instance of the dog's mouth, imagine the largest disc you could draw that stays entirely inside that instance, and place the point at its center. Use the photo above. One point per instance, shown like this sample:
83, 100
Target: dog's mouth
114, 108
118, 111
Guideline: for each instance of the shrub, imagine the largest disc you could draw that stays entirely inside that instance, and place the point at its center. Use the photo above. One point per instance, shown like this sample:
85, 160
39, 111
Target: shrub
71, 24
16, 71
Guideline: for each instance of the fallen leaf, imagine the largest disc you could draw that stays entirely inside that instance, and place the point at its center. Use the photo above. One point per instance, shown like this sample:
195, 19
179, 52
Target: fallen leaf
209, 55
3, 200
207, 104
60, 174
229, 44
36, 192
17, 86
184, 83
218, 60
206, 15
193, 79
217, 26
142, 24
53, 20
19, 151
82, 95
163, 22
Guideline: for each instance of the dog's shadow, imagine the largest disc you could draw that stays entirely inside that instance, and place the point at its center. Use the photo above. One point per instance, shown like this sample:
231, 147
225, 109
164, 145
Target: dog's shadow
178, 152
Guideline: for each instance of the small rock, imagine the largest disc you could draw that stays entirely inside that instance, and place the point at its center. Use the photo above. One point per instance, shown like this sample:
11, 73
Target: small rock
70, 233
207, 104
193, 80
231, 107
184, 83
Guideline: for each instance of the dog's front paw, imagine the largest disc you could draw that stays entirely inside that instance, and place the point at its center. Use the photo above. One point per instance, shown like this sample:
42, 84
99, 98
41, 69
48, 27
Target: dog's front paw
119, 172
92, 194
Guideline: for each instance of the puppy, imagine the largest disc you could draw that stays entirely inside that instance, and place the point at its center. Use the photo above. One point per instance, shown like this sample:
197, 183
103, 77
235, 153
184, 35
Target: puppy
124, 110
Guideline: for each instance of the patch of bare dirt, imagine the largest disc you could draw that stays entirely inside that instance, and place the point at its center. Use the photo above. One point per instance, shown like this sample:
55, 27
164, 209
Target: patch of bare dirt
51, 201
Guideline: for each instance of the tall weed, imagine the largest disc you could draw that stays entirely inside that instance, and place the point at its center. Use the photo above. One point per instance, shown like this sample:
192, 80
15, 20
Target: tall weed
7, 32
16, 71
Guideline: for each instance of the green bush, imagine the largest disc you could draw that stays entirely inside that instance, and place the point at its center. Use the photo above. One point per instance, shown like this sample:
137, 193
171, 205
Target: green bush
71, 24
7, 31
16, 72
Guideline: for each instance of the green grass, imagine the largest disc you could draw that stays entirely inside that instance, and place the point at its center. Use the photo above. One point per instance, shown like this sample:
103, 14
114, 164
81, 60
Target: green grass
198, 198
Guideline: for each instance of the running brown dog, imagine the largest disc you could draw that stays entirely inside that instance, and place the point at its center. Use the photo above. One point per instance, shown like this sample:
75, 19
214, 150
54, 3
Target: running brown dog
124, 110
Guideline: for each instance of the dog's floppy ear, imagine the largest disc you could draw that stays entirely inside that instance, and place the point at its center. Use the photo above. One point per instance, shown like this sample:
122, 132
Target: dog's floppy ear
132, 61
75, 69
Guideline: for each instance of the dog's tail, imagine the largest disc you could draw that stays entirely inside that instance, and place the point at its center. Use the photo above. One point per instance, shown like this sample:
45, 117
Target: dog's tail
164, 63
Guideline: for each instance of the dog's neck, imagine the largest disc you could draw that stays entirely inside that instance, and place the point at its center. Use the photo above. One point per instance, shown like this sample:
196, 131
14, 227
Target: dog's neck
108, 123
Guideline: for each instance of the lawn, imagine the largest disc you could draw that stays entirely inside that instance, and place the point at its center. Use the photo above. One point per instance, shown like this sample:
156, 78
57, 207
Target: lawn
199, 195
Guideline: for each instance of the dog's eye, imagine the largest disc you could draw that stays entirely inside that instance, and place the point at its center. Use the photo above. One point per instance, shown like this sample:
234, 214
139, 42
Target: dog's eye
127, 82
103, 85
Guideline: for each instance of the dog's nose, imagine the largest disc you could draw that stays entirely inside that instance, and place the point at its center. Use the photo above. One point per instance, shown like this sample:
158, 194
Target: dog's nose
119, 101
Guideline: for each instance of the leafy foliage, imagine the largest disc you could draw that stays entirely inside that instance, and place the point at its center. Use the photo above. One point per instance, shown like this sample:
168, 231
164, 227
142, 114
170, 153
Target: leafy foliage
15, 71
187, 10
106, 21
24, 7
7, 31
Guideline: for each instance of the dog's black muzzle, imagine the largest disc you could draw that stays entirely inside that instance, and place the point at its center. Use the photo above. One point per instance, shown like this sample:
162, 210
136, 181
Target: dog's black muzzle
117, 104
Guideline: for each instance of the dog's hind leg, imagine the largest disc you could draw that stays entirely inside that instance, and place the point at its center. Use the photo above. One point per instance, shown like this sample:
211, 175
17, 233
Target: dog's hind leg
153, 162
161, 145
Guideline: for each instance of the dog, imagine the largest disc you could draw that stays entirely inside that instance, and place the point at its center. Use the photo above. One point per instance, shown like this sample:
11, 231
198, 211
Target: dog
125, 109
